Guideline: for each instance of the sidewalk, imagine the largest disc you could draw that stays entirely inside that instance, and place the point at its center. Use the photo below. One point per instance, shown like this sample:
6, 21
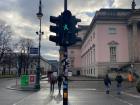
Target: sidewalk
41, 97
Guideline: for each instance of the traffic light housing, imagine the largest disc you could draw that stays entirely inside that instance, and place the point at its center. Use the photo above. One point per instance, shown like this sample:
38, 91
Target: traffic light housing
56, 29
69, 28
65, 29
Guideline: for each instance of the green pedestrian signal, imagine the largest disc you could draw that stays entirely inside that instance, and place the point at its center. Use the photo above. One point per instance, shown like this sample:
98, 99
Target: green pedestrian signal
65, 27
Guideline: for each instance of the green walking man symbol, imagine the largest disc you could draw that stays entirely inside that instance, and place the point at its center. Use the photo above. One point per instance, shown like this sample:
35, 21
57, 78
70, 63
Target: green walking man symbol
65, 27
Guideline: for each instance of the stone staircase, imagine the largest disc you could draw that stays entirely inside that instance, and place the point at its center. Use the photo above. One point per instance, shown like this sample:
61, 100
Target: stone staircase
124, 69
135, 69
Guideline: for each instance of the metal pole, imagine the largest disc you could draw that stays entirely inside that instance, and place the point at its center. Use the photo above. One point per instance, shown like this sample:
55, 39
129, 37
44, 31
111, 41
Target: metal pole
65, 5
65, 70
39, 15
65, 81
40, 33
38, 63
38, 68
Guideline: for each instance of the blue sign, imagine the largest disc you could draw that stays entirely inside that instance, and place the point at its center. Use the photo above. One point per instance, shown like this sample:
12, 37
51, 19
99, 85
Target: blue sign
33, 50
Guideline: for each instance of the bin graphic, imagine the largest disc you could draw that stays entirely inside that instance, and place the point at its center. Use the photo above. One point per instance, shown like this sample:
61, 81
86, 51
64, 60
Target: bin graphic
24, 80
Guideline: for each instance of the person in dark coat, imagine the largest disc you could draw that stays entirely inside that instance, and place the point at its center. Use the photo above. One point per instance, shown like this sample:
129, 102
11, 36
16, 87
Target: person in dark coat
52, 80
59, 81
119, 80
107, 83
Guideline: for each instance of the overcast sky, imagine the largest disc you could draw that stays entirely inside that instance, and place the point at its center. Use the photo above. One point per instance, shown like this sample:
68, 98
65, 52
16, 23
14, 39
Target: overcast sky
21, 15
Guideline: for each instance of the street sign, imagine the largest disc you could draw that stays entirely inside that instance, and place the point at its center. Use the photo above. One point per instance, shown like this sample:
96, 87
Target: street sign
70, 73
34, 50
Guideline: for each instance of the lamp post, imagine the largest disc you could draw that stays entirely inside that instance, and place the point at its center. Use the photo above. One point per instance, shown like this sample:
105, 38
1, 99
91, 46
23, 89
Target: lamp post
39, 16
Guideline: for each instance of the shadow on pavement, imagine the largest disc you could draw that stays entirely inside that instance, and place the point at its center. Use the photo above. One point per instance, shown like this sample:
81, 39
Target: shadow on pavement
53, 99
48, 99
58, 98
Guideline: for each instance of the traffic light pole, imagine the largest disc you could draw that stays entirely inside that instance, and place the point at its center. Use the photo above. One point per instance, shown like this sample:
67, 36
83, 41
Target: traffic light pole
65, 81
65, 69
65, 30
65, 5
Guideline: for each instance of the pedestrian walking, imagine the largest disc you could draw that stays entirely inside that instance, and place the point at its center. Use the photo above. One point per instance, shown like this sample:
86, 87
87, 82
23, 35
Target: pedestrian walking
59, 81
130, 78
107, 83
52, 80
119, 80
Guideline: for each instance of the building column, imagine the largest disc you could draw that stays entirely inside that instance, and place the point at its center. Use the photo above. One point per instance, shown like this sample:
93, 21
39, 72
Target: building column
130, 43
134, 42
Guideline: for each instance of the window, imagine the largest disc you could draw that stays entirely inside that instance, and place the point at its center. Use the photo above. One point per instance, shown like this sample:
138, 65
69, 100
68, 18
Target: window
112, 30
93, 35
72, 52
72, 63
31, 66
91, 71
94, 71
113, 54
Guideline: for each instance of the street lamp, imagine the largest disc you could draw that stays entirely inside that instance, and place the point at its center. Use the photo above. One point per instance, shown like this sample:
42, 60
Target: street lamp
39, 16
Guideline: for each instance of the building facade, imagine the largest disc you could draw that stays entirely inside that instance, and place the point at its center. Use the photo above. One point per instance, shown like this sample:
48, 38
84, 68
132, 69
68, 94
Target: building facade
111, 42
74, 52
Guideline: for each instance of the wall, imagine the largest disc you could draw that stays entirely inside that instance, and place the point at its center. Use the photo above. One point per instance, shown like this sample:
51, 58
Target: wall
103, 38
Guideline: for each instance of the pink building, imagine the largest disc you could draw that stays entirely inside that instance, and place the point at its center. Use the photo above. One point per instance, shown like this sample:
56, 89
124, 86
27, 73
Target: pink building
112, 41
74, 52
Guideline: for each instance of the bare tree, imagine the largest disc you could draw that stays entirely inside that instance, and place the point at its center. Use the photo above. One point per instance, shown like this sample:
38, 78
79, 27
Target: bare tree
8, 61
23, 46
5, 39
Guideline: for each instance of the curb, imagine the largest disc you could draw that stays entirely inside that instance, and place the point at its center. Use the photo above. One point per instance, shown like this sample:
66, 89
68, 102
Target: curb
86, 80
13, 87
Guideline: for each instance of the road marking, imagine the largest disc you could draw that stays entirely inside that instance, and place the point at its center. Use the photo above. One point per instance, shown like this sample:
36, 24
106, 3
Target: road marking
93, 89
123, 101
23, 99
132, 95
88, 89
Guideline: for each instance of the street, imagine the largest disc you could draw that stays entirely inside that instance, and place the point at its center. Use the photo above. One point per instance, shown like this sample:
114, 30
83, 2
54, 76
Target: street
80, 93
84, 94
9, 97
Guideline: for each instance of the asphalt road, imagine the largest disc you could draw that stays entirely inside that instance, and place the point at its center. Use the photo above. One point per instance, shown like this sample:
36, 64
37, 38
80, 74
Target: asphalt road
80, 93
92, 93
9, 97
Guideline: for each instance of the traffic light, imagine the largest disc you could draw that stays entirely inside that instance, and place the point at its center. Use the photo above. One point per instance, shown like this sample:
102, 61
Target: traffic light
65, 29
75, 30
69, 28
56, 29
